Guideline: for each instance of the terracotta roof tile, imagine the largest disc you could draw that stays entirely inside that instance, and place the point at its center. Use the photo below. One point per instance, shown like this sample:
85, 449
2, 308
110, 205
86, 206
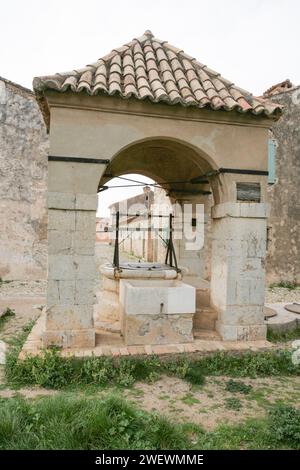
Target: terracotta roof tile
148, 68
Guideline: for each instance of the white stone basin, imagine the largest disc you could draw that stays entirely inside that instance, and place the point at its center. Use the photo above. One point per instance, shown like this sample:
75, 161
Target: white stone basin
154, 297
139, 271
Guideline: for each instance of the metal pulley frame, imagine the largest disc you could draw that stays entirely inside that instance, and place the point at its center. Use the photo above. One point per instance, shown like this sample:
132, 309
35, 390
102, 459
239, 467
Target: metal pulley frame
170, 259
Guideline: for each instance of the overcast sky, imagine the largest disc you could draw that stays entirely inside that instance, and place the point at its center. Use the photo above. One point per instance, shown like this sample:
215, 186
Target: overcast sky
254, 43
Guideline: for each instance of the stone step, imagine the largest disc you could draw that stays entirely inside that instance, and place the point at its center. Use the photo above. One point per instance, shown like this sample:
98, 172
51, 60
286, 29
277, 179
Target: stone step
202, 290
102, 326
202, 297
206, 334
205, 318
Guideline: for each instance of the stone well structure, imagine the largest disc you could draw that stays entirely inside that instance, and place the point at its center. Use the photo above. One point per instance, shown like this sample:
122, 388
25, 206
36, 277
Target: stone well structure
149, 108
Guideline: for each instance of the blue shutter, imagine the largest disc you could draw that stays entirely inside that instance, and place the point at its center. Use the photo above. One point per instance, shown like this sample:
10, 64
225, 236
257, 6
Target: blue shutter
271, 161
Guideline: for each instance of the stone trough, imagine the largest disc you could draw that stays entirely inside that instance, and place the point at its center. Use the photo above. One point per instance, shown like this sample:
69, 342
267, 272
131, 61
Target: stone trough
146, 303
156, 311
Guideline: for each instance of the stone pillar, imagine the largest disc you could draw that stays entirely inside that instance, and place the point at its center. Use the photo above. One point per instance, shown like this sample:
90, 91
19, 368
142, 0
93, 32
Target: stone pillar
72, 205
238, 273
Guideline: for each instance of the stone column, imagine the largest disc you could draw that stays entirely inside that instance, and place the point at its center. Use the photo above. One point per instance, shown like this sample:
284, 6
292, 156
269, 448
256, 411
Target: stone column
238, 269
72, 204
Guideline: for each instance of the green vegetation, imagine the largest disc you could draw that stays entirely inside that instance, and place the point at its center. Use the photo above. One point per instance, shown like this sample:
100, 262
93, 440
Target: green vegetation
3, 281
65, 422
194, 374
285, 425
7, 314
102, 421
236, 386
52, 370
285, 284
283, 337
189, 399
69, 423
233, 403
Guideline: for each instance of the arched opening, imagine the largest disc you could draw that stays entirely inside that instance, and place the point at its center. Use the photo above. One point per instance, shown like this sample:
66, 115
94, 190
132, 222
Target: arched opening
184, 176
173, 164
168, 176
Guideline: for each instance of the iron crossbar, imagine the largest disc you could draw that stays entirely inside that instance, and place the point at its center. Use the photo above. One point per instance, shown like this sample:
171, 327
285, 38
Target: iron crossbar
142, 215
136, 229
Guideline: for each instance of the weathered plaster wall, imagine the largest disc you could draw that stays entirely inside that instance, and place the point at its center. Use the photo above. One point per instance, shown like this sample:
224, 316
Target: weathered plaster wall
23, 174
283, 260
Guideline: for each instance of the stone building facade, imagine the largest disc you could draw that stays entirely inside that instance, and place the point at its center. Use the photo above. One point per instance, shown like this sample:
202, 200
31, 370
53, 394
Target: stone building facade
23, 175
283, 259
102, 230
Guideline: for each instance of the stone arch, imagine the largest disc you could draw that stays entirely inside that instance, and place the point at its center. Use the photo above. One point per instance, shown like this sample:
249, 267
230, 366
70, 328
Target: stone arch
164, 159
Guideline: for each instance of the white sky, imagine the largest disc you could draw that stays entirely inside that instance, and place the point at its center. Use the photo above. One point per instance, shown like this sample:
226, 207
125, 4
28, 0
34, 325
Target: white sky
109, 196
254, 43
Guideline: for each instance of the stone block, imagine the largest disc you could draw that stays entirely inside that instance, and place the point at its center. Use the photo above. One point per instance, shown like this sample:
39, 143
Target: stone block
226, 209
84, 292
108, 307
62, 220
71, 267
227, 332
86, 202
242, 315
59, 242
240, 209
158, 329
86, 221
241, 333
241, 291
66, 292
83, 338
52, 292
254, 210
84, 267
110, 284
69, 317
83, 243
257, 332
57, 200
61, 267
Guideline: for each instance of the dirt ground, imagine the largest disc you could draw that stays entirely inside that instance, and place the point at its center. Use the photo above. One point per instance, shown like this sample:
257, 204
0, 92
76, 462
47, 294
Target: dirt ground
205, 405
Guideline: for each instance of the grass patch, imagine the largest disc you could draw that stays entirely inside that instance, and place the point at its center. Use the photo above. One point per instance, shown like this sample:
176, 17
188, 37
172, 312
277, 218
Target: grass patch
233, 403
236, 386
6, 315
194, 374
65, 422
284, 284
261, 364
53, 371
69, 423
189, 399
4, 281
285, 425
283, 337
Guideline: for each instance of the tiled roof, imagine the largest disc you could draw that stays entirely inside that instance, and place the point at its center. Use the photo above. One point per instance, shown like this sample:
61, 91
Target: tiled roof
279, 88
148, 68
